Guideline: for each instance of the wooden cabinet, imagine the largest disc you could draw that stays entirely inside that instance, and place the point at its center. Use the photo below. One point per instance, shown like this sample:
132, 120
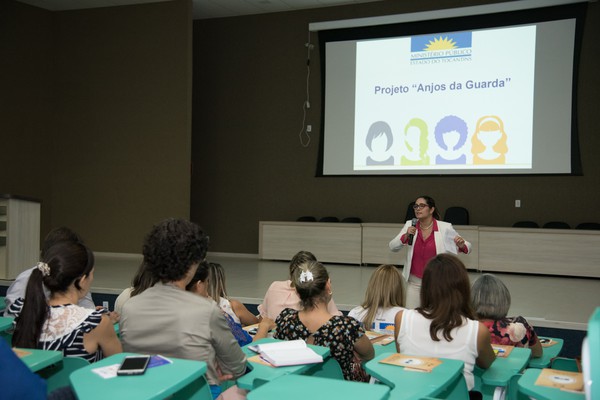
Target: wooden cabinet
19, 234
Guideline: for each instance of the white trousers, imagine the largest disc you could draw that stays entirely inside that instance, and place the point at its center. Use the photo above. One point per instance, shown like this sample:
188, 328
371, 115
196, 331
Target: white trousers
413, 292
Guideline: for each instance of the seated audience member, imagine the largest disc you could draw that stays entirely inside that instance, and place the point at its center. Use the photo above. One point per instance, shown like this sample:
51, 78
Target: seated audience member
383, 299
200, 286
58, 323
282, 294
17, 288
166, 319
445, 325
217, 291
16, 379
142, 280
18, 382
316, 325
490, 299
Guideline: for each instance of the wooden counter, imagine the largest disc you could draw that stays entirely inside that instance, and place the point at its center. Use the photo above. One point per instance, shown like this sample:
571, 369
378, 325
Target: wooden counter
330, 241
568, 252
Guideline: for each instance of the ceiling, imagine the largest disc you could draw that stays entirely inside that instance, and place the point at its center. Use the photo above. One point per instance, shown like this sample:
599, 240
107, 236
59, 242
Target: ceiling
203, 9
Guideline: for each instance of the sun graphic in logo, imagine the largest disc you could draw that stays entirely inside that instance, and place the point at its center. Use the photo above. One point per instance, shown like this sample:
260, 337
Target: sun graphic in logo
440, 43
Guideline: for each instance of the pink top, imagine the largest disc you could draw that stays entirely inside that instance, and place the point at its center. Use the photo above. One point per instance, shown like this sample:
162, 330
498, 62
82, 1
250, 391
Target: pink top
424, 250
282, 295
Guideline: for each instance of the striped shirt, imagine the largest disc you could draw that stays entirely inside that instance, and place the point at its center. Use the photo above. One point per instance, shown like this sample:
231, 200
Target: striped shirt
64, 329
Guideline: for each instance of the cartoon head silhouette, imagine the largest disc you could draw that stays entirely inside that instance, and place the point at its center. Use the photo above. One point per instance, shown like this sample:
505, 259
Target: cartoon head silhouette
418, 126
489, 134
379, 130
448, 127
379, 140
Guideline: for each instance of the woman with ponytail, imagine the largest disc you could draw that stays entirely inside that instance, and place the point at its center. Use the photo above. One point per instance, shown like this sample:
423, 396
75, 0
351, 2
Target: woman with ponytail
316, 325
67, 271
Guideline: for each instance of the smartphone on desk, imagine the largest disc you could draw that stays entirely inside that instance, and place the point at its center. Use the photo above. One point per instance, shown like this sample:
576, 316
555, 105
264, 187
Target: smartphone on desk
133, 365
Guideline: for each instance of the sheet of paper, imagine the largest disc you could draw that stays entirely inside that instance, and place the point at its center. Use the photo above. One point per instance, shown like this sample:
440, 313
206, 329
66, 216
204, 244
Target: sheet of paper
110, 371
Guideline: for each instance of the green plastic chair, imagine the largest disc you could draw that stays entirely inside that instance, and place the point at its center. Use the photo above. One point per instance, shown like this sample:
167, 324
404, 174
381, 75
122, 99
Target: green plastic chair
6, 337
57, 375
590, 357
488, 391
199, 390
565, 364
456, 390
512, 390
302, 387
330, 368
549, 353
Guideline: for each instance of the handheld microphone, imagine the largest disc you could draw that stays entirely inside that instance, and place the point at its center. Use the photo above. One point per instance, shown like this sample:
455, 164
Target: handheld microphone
410, 237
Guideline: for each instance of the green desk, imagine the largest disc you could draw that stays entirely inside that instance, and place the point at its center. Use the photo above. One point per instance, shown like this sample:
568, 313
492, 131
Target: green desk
446, 378
39, 359
5, 323
384, 349
302, 387
528, 387
503, 368
549, 353
183, 378
2, 303
260, 374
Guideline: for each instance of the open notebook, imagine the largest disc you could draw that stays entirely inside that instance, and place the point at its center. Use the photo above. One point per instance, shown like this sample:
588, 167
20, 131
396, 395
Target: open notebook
289, 352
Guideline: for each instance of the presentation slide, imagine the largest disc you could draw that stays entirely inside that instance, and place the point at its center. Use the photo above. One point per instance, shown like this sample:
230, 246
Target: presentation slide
485, 101
454, 100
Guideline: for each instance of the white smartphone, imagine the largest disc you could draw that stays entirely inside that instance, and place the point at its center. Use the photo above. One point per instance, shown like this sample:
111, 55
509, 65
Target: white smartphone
133, 365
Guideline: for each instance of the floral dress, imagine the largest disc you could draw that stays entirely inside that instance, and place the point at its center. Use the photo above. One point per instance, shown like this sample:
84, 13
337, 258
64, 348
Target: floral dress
339, 334
513, 331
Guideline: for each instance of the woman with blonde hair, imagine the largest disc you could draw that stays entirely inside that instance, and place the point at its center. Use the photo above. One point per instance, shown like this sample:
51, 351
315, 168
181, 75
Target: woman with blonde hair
200, 285
316, 325
215, 286
384, 298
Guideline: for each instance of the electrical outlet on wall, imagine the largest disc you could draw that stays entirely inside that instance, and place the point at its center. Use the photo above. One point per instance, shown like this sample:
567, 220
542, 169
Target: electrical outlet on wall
517, 203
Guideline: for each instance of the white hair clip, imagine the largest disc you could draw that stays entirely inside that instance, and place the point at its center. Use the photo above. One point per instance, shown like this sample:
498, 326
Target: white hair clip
44, 268
306, 276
